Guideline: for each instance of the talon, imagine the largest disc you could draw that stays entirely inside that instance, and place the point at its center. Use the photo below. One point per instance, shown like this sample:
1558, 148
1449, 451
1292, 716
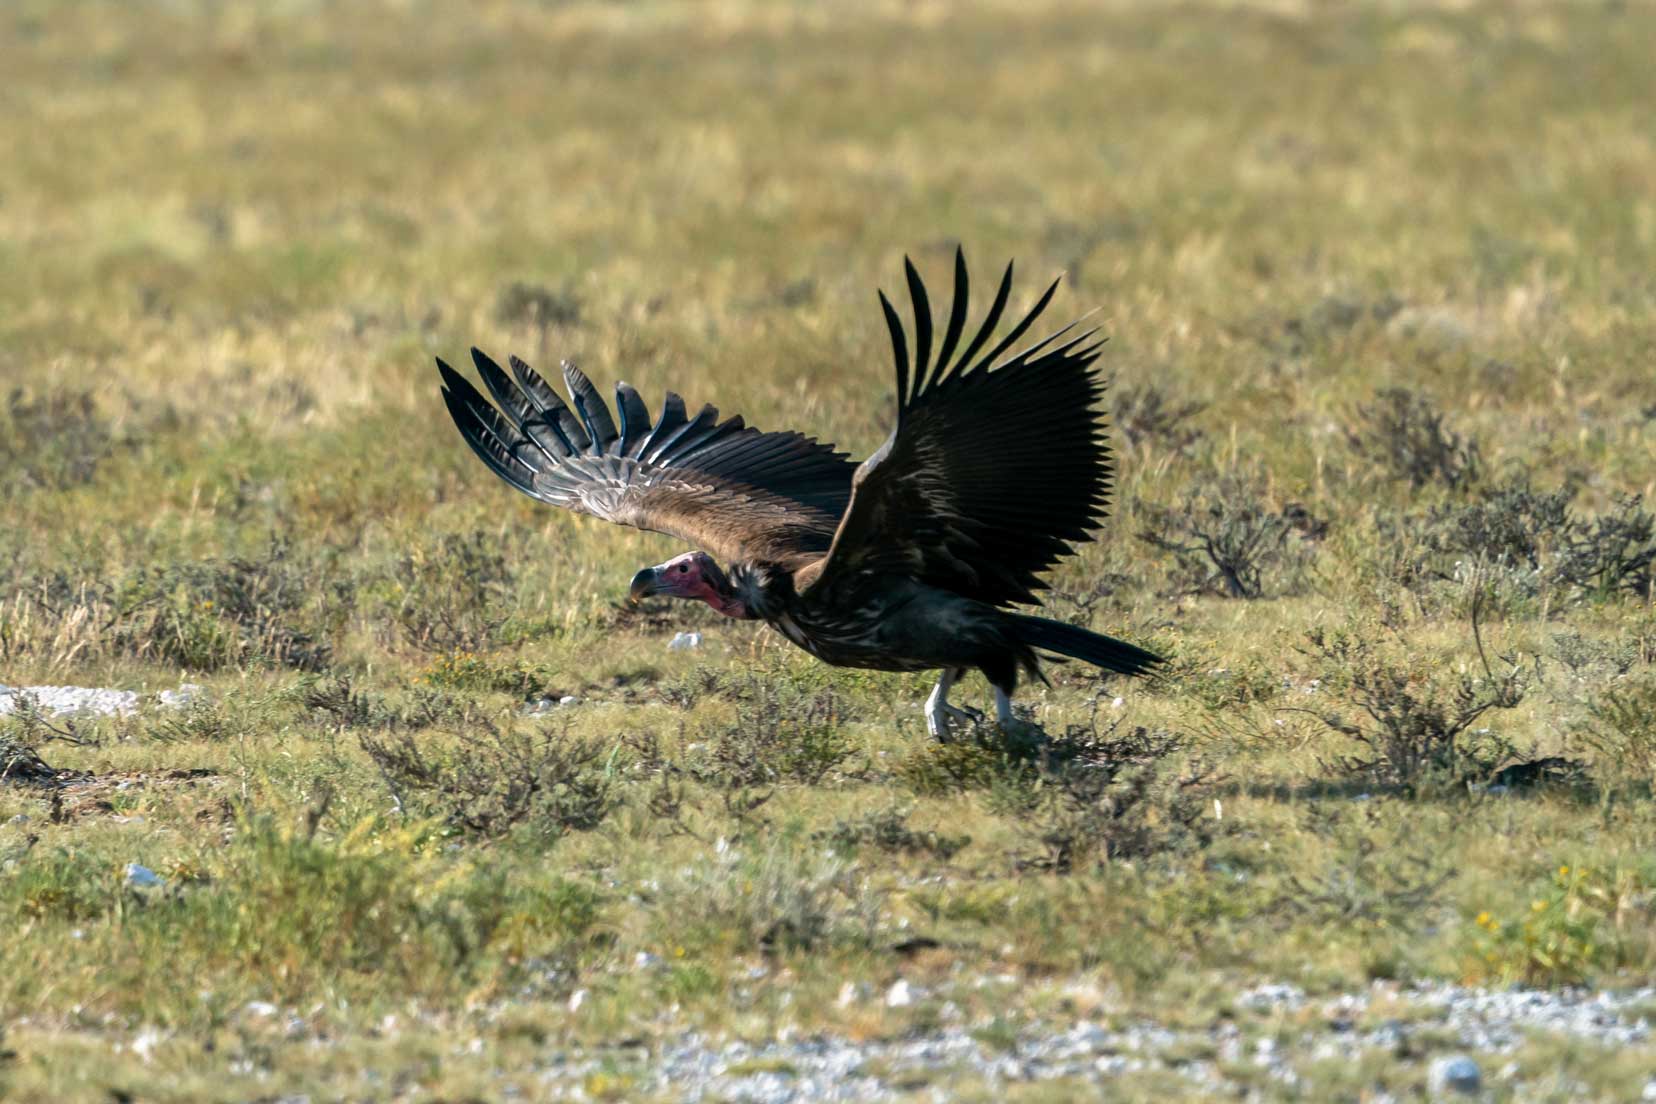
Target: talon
940, 715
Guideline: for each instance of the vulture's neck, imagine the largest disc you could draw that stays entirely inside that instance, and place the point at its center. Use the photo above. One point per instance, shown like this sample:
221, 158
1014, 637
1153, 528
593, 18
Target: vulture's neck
765, 590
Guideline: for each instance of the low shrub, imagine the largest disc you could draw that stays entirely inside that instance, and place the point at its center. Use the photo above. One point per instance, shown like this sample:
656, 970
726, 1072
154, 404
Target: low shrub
1144, 416
274, 609
498, 779
888, 831
1532, 543
53, 441
1226, 540
1403, 433
1621, 731
1116, 796
468, 671
775, 896
781, 734
1412, 724
452, 596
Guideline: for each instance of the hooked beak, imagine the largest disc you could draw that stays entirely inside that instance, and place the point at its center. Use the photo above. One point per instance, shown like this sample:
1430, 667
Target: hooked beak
644, 584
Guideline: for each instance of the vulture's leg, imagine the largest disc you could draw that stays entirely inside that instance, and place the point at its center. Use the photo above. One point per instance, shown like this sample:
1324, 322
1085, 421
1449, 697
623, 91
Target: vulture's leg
939, 713
1003, 708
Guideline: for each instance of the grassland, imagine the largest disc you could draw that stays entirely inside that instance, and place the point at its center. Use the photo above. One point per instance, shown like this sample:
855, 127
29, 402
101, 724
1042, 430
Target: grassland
1380, 290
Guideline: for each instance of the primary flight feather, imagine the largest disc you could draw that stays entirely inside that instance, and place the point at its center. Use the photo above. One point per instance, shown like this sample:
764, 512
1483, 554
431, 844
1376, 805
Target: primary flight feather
997, 465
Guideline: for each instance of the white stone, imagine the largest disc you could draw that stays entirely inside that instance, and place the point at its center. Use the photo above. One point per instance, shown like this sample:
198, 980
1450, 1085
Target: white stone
145, 1042
900, 995
142, 877
186, 693
576, 999
684, 641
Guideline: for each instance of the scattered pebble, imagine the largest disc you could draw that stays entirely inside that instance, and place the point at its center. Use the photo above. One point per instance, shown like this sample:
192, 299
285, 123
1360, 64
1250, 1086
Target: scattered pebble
1455, 1073
1267, 997
684, 641
542, 706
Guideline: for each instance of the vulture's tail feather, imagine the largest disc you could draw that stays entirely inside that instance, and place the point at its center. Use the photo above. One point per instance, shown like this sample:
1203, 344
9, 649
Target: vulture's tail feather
1101, 651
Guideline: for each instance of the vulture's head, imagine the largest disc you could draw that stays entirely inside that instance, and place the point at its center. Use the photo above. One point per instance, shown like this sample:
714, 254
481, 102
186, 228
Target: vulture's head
693, 575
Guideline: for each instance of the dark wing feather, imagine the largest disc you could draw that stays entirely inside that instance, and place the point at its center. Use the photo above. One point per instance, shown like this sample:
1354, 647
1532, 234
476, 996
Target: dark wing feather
730, 489
995, 467
590, 406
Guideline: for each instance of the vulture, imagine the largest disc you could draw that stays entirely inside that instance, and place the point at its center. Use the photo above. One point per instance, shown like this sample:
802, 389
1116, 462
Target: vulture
909, 561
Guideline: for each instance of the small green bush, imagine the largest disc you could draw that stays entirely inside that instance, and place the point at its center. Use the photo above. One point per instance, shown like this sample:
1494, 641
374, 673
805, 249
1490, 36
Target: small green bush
1577, 923
468, 671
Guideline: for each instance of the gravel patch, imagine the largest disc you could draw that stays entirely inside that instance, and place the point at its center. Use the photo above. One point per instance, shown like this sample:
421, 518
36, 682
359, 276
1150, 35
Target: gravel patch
1488, 1025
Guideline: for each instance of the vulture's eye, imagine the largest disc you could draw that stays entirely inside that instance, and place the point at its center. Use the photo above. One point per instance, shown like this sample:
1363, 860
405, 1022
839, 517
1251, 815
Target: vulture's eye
683, 568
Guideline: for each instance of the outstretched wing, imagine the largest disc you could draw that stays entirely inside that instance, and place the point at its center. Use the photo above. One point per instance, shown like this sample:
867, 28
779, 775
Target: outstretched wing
995, 464
723, 486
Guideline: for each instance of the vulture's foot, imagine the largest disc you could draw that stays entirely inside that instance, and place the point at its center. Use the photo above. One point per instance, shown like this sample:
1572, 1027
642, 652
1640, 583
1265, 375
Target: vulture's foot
941, 717
1017, 728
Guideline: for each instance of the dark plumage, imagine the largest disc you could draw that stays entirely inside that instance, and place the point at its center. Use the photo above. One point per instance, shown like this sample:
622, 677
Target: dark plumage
997, 465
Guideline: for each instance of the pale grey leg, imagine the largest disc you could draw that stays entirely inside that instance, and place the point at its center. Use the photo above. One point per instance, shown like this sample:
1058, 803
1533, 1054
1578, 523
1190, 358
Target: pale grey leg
940, 715
1003, 708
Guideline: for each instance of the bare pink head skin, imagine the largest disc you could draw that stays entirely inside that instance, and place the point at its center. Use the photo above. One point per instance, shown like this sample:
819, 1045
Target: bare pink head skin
693, 575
